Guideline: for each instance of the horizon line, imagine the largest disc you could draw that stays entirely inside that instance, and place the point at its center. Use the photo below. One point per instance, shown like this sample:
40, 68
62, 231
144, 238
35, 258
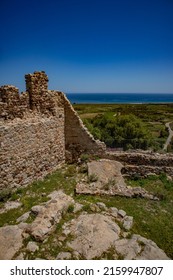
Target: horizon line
119, 92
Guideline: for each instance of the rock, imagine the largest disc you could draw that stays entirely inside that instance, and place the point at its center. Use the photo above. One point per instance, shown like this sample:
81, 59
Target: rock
49, 215
37, 209
77, 207
64, 256
104, 177
121, 213
128, 222
10, 241
20, 257
101, 205
32, 246
128, 248
23, 226
150, 251
106, 170
23, 218
10, 205
61, 238
94, 207
113, 211
139, 248
93, 234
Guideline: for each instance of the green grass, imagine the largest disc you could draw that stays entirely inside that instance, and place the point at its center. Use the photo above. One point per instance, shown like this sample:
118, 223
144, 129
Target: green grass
152, 219
37, 192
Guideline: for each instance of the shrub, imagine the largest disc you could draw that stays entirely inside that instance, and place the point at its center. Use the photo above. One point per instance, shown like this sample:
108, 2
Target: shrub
92, 178
70, 208
4, 195
84, 157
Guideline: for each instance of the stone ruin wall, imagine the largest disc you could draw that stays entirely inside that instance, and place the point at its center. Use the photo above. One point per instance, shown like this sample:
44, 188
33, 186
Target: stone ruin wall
143, 163
78, 139
38, 130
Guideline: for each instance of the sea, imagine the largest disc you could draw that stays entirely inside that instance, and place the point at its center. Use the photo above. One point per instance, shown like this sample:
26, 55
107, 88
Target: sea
120, 98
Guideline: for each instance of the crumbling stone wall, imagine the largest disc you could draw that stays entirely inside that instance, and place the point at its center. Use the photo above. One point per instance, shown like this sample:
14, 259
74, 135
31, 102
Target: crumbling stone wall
30, 149
78, 139
143, 163
142, 158
36, 127
12, 105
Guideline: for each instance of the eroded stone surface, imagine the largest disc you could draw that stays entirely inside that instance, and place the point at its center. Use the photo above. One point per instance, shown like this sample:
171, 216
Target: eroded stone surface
64, 256
139, 248
104, 177
128, 222
10, 241
10, 205
91, 235
49, 214
23, 218
94, 234
32, 246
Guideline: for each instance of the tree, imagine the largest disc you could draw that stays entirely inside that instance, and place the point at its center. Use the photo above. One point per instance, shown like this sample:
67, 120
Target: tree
125, 131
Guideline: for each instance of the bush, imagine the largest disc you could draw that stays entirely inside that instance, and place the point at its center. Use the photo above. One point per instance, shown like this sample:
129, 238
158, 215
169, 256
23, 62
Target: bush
124, 131
5, 195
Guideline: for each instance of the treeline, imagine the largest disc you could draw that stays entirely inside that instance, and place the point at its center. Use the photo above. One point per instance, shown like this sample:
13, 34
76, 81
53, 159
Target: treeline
120, 131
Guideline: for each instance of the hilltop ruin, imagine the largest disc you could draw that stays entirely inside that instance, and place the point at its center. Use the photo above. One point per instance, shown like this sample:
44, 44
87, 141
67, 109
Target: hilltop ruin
39, 130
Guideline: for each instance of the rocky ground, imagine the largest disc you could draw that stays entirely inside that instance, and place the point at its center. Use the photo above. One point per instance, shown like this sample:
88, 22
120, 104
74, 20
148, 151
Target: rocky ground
75, 232
104, 177
64, 227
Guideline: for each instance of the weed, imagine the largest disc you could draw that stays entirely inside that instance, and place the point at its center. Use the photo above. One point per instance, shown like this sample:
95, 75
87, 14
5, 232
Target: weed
70, 171
92, 178
84, 157
5, 195
111, 183
83, 168
70, 208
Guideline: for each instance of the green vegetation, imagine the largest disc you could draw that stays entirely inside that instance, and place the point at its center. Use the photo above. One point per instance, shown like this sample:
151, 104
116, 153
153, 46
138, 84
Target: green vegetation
126, 131
37, 192
92, 178
152, 219
147, 123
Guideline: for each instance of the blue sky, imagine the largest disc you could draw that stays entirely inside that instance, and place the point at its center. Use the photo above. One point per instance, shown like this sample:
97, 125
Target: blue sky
89, 45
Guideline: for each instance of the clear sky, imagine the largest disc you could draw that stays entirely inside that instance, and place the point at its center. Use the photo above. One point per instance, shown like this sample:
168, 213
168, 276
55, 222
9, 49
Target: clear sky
89, 45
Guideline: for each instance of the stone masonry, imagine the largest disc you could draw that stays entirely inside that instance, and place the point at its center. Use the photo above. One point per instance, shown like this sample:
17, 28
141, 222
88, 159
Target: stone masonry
38, 130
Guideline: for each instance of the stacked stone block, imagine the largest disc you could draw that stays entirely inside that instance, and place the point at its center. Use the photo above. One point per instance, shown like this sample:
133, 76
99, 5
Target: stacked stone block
36, 127
37, 87
12, 105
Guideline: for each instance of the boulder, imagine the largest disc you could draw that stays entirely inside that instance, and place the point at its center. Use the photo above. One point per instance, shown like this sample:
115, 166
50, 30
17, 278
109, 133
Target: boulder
139, 248
49, 214
10, 241
94, 234
128, 222
105, 177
